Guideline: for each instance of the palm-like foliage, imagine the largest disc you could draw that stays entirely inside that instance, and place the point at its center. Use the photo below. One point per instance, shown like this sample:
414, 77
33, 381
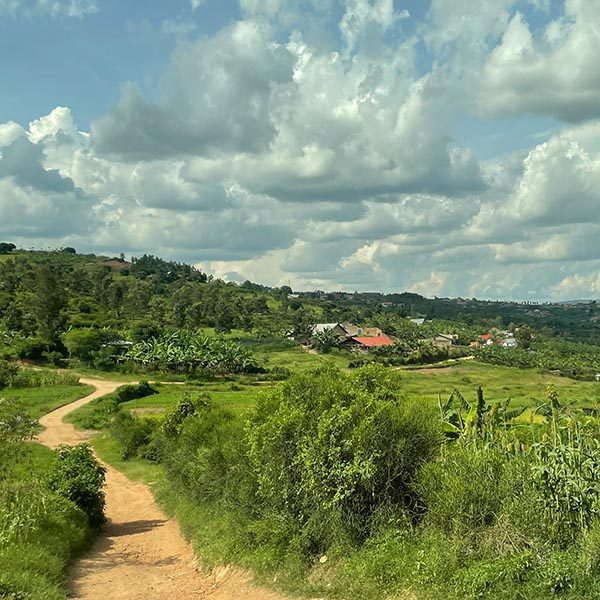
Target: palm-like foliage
184, 352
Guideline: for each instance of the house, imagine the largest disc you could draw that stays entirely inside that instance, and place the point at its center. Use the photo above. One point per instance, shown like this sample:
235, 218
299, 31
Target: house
321, 327
357, 330
443, 340
337, 328
417, 321
364, 344
510, 341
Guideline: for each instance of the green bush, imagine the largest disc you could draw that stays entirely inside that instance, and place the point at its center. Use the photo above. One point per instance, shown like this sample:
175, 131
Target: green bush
134, 391
8, 372
134, 434
84, 343
466, 489
79, 477
330, 448
97, 414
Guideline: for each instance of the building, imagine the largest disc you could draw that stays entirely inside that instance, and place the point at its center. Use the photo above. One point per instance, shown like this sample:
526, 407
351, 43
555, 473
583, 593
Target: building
443, 340
364, 344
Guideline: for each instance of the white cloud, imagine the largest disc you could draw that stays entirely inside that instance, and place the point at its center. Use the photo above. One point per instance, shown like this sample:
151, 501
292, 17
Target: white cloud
367, 18
328, 163
555, 74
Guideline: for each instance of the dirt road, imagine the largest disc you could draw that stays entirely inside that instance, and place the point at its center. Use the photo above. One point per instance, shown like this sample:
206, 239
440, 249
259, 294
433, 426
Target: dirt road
140, 553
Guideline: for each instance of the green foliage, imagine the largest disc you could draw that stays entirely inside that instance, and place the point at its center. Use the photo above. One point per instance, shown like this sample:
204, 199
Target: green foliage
571, 358
188, 353
98, 413
84, 343
40, 530
15, 429
8, 371
134, 435
78, 476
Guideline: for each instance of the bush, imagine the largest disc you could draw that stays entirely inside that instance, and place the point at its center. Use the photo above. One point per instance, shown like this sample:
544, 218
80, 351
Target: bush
8, 372
83, 343
97, 414
134, 391
79, 477
133, 434
344, 450
465, 490
204, 454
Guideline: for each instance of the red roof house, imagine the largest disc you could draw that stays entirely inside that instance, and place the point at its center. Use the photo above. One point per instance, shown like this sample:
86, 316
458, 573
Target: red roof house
372, 342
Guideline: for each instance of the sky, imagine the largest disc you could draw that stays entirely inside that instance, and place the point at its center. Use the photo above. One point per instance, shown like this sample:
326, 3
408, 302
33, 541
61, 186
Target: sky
444, 147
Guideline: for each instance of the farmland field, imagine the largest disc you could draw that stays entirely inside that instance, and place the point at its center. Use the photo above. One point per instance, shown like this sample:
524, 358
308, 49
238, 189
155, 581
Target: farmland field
525, 387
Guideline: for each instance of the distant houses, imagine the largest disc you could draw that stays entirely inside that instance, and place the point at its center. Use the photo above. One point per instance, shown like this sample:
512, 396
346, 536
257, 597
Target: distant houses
352, 337
443, 340
496, 337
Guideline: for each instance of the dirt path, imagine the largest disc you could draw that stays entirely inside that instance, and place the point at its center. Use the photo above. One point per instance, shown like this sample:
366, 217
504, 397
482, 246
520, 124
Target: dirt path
140, 553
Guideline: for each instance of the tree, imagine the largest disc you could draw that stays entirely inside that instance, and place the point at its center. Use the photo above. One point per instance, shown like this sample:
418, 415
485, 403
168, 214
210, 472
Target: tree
83, 343
326, 340
6, 247
524, 335
47, 303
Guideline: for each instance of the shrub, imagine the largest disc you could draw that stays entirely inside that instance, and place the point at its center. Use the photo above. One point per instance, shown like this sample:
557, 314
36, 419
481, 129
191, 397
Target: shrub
133, 434
83, 343
134, 391
97, 414
8, 371
330, 448
79, 477
465, 490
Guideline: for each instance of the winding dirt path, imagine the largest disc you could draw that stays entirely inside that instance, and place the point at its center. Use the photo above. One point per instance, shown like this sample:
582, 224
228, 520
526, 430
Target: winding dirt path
140, 553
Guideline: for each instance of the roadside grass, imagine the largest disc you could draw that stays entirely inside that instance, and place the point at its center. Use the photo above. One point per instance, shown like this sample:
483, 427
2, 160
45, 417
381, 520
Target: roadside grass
136, 469
36, 402
298, 360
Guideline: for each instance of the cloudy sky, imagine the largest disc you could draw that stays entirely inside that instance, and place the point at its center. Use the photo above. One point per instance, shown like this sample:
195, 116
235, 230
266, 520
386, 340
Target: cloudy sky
447, 147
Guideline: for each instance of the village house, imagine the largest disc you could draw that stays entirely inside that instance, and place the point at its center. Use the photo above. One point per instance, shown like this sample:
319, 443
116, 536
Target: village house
443, 340
365, 344
353, 337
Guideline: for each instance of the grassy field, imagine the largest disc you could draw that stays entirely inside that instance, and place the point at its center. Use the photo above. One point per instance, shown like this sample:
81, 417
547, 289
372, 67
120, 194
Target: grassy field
36, 402
522, 386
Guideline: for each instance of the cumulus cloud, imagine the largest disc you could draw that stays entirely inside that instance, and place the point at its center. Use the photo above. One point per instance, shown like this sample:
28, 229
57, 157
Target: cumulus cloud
324, 154
215, 97
554, 74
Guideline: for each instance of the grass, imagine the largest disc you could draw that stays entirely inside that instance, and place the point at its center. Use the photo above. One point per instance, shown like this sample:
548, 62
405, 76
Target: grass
36, 402
522, 386
298, 360
135, 469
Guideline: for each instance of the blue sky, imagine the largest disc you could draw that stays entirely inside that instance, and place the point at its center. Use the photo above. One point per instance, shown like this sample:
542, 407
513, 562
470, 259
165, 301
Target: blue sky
444, 146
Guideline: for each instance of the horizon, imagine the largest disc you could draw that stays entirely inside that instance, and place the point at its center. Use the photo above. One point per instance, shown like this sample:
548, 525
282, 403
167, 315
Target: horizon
450, 149
531, 301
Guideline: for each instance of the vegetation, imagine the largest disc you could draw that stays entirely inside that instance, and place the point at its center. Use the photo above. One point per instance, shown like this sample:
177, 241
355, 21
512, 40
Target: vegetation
49, 503
187, 353
475, 480
352, 486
